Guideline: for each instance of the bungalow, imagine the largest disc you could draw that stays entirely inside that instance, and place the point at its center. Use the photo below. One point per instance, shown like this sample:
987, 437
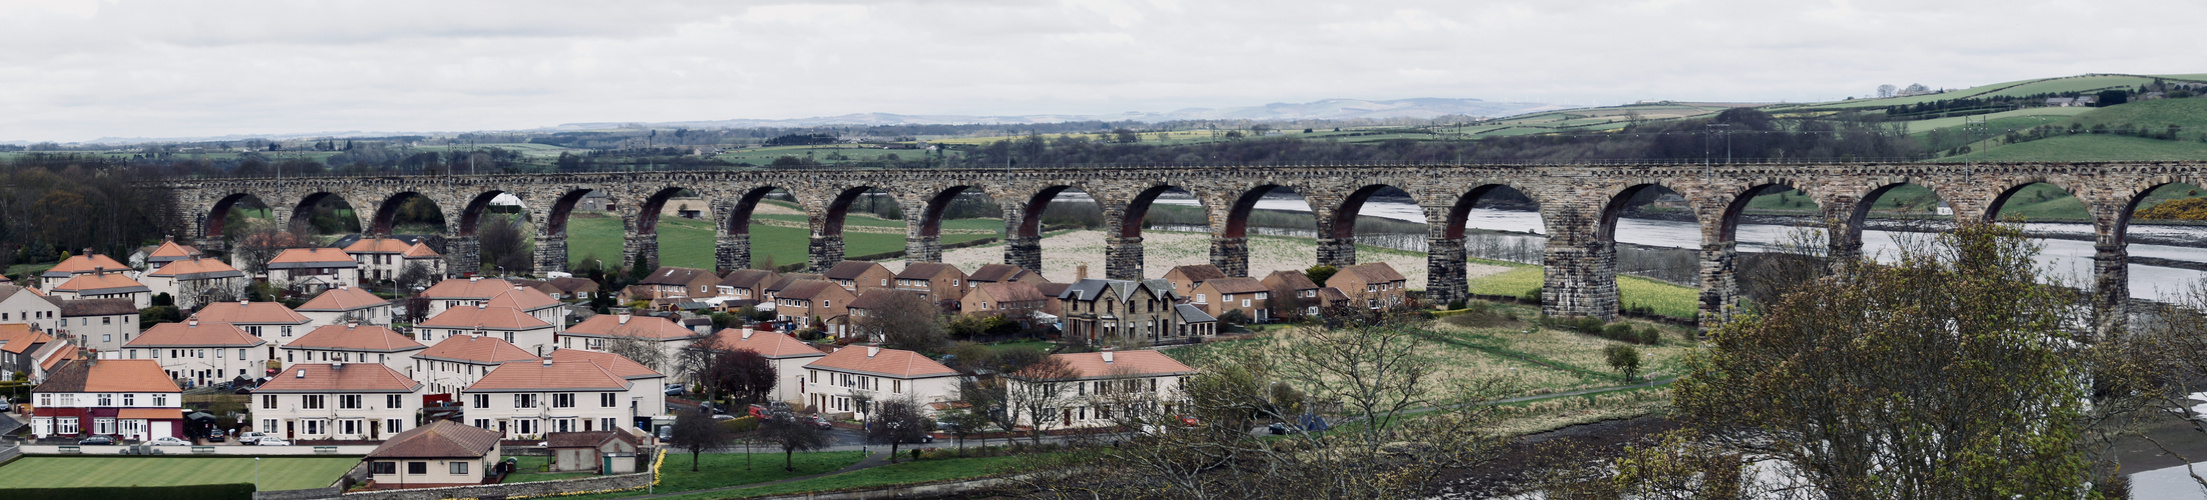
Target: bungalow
1374, 285
876, 373
344, 303
455, 362
131, 399
1104, 384
857, 275
336, 401
440, 453
355, 343
202, 352
313, 269
937, 281
75, 266
101, 284
527, 399
611, 450
506, 323
787, 354
195, 281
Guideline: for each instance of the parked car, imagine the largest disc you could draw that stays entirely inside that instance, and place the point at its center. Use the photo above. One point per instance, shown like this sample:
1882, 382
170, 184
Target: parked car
821, 422
272, 441
674, 389
97, 440
250, 437
666, 432
168, 441
215, 438
760, 411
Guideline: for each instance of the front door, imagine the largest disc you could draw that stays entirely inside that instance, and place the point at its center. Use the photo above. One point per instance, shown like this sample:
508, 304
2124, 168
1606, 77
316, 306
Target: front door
290, 429
1068, 418
134, 429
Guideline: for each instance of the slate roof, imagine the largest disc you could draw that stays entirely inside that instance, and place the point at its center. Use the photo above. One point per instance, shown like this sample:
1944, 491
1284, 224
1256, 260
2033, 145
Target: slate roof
320, 378
358, 338
108, 375
94, 307
1192, 314
1092, 288
589, 439
439, 439
894, 363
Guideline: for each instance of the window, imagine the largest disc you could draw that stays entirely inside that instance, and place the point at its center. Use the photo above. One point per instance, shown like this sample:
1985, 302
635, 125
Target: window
348, 401
103, 426
482, 401
130, 399
391, 425
348, 426
606, 400
46, 400
310, 426
105, 337
107, 320
459, 468
65, 425
525, 426
563, 400
609, 423
524, 400
107, 400
160, 400
417, 467
482, 423
383, 467
268, 401
311, 402
394, 401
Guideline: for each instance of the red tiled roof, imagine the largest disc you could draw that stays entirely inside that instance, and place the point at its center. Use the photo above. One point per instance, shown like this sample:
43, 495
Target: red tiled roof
1123, 363
649, 327
338, 377
474, 349
250, 313
312, 257
342, 298
523, 298
572, 374
377, 245
18, 337
897, 363
1198, 272
1294, 280
420, 251
772, 345
439, 439
1376, 272
100, 284
471, 288
195, 334
81, 264
366, 338
188, 267
108, 375
487, 317
611, 362
64, 353
170, 250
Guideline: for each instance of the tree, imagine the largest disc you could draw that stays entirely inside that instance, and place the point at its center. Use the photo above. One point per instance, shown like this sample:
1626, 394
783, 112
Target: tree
1625, 359
1914, 89
505, 244
630, 343
1284, 304
1875, 382
899, 420
198, 293
1039, 390
253, 250
1886, 90
696, 431
740, 374
1320, 273
415, 275
905, 320
792, 437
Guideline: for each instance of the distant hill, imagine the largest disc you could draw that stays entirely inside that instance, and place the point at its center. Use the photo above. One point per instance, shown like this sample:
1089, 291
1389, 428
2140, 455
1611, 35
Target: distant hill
1328, 109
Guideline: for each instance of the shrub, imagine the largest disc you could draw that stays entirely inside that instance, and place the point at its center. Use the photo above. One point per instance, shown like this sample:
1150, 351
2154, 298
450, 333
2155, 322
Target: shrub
1651, 336
1234, 317
1456, 304
1531, 296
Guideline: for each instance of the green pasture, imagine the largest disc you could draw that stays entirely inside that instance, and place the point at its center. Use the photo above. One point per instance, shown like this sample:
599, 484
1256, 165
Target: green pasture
276, 473
2090, 148
1632, 291
2000, 123
689, 242
2155, 115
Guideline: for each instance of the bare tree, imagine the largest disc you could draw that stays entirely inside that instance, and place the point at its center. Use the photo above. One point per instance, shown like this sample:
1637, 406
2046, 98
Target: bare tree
792, 437
898, 421
415, 275
255, 249
197, 293
1038, 390
905, 320
630, 343
1887, 90
696, 432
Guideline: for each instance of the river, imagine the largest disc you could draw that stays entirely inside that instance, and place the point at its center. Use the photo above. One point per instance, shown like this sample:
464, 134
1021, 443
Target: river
2064, 258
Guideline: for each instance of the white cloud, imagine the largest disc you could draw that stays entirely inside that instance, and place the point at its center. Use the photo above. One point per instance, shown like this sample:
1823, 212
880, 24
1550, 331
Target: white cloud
77, 70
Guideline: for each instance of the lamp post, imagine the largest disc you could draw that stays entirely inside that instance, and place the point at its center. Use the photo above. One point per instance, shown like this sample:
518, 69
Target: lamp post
256, 473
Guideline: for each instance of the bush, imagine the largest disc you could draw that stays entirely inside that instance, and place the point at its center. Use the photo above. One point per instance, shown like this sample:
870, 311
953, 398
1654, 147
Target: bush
1651, 336
1234, 317
1531, 296
1620, 331
1456, 304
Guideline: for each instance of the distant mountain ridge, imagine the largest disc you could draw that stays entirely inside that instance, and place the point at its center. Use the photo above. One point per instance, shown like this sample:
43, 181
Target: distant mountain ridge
1327, 109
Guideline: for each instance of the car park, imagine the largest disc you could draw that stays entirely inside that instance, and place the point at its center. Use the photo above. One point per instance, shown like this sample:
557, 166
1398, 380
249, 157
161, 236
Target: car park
168, 441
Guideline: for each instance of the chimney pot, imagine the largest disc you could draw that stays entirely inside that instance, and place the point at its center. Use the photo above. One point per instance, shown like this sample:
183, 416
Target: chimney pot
872, 351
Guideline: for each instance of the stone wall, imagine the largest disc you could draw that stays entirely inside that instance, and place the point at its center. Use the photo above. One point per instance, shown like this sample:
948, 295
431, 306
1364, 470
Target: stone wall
536, 489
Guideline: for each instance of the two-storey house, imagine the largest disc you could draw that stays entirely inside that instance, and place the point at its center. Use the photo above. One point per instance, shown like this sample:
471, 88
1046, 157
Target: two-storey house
1000, 273
1218, 296
1374, 285
1296, 286
1184, 279
1103, 385
453, 363
506, 323
77, 265
194, 281
104, 284
1119, 311
783, 282
473, 292
594, 333
788, 355
647, 394
344, 303
746, 284
101, 324
201, 352
313, 269
127, 398
937, 281
1017, 301
814, 303
29, 306
670, 282
19, 343
526, 399
858, 275
270, 321
336, 401
876, 374
168, 251
353, 342
563, 289
385, 258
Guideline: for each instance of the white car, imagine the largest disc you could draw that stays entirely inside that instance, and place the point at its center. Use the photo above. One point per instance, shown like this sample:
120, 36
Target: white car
271, 441
168, 441
250, 437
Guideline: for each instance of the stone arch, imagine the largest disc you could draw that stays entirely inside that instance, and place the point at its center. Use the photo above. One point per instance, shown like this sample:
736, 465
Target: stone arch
218, 214
1863, 204
1236, 224
1459, 212
471, 216
1605, 229
1130, 222
1344, 218
1727, 223
2008, 189
304, 210
555, 221
840, 206
387, 212
1030, 214
737, 220
2119, 226
647, 210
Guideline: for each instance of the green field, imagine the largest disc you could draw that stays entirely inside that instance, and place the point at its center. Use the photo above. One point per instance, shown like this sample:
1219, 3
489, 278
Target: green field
276, 473
689, 242
1667, 299
2090, 148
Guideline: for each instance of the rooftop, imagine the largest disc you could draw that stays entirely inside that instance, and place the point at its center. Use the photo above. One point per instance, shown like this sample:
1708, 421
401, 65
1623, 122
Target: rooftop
295, 258
485, 317
108, 375
851, 269
553, 374
475, 349
80, 264
772, 345
438, 439
195, 333
926, 270
611, 362
625, 325
363, 338
250, 313
342, 298
895, 363
338, 377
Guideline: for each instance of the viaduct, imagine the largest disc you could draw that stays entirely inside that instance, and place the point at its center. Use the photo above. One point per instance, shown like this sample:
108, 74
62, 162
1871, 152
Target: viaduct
1579, 205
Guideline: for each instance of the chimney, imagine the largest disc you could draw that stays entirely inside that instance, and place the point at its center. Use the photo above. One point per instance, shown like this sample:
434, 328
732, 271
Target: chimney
472, 279
547, 362
87, 251
337, 366
623, 316
1106, 355
747, 333
351, 324
872, 351
243, 302
192, 323
482, 306
99, 270
342, 286
1080, 271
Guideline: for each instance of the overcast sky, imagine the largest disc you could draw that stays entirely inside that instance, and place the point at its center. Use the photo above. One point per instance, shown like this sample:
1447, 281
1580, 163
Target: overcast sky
73, 70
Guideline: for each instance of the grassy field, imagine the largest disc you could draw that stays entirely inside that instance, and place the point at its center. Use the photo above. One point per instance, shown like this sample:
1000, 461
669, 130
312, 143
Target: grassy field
925, 471
2089, 148
720, 470
525, 468
284, 473
1632, 291
689, 242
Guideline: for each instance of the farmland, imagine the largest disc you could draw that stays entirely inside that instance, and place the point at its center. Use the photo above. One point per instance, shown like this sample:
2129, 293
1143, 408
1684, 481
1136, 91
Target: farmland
276, 473
780, 238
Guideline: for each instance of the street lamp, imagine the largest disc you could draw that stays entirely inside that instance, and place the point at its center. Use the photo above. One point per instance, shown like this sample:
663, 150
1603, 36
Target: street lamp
256, 472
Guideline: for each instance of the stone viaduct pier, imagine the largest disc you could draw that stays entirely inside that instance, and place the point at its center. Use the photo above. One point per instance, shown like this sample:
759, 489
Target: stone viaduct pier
1579, 204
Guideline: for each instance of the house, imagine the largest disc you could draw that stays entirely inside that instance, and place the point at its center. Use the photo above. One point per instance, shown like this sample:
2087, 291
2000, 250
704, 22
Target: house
1185, 278
268, 320
1104, 384
98, 324
564, 289
355, 343
647, 394
1190, 321
336, 401
379, 258
128, 398
1375, 285
857, 275
594, 450
168, 251
1119, 311
1000, 273
527, 399
27, 305
784, 281
877, 300
1219, 296
455, 362
788, 355
438, 454
101, 284
1302, 292
469, 292
313, 269
54, 355
427, 258
1017, 301
2061, 102
505, 323
202, 352
1329, 296
195, 280
593, 333
1053, 306
877, 373
812, 302
746, 284
680, 282
937, 281
77, 265
18, 344
344, 303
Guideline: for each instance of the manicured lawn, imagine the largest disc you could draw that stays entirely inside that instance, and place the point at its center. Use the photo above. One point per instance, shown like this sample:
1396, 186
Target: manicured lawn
525, 467
719, 470
275, 473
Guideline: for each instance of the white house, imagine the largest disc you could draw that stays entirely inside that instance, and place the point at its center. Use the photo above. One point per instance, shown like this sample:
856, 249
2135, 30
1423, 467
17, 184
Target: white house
192, 281
336, 401
453, 293
1106, 384
78, 265
593, 333
526, 399
102, 324
313, 269
788, 355
270, 321
202, 352
28, 306
647, 394
104, 285
881, 374
453, 363
510, 324
336, 305
355, 343
380, 258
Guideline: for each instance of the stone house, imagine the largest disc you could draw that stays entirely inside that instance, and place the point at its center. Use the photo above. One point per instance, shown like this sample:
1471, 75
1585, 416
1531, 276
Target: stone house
1218, 296
438, 454
527, 399
876, 373
1104, 385
505, 323
202, 352
859, 275
77, 265
102, 284
126, 398
355, 343
788, 355
1184, 279
1119, 311
344, 303
937, 281
455, 362
336, 401
806, 302
191, 281
313, 269
1374, 285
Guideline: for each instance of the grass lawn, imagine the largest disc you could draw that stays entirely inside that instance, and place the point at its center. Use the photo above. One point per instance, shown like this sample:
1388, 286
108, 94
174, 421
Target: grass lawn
2090, 147
284, 473
727, 469
925, 471
1667, 299
689, 242
525, 467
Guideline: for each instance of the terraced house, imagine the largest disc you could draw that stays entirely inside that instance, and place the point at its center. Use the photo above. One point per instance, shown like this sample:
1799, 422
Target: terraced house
453, 293
313, 269
336, 401
647, 394
510, 324
594, 333
453, 363
201, 352
526, 399
355, 343
832, 381
858, 275
680, 282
